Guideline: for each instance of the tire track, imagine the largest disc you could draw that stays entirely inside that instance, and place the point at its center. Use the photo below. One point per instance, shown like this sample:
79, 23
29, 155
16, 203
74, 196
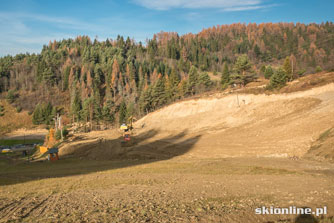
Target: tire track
35, 207
10, 210
8, 205
49, 205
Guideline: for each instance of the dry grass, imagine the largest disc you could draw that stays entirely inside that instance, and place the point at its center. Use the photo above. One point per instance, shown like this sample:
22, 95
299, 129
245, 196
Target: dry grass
13, 120
190, 190
308, 82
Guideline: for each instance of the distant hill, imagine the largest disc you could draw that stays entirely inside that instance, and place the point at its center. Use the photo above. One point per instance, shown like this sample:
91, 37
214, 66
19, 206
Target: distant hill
108, 81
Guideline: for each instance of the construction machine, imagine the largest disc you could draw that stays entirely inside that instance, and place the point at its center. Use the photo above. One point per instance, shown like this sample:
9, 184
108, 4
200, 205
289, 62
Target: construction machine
127, 131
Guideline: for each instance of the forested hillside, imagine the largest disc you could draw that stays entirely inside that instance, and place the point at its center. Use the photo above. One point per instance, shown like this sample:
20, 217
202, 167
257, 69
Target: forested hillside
108, 81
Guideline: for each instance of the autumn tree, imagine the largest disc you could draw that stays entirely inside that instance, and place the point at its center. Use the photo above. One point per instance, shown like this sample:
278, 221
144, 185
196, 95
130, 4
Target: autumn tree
115, 78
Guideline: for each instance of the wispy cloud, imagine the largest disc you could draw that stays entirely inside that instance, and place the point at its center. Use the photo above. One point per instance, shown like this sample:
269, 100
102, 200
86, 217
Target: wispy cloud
27, 32
18, 34
226, 5
247, 8
61, 22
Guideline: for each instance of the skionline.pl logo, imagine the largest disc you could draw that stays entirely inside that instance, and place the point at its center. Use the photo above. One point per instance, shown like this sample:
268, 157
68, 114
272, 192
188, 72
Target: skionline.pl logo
291, 210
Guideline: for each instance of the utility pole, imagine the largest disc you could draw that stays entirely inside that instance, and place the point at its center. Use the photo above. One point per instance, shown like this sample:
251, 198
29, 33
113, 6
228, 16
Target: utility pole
58, 125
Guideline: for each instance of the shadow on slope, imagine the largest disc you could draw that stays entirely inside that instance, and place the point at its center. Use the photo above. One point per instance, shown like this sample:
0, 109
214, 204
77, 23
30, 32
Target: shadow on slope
102, 155
323, 148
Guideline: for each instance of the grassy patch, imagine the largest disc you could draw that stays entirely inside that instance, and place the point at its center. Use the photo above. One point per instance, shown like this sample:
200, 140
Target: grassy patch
269, 171
325, 134
12, 142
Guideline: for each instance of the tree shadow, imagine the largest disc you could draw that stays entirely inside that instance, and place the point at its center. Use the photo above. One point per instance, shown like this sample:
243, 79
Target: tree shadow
102, 155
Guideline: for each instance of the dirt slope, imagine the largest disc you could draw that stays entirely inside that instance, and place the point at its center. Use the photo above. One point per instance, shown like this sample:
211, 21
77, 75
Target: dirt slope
218, 126
261, 125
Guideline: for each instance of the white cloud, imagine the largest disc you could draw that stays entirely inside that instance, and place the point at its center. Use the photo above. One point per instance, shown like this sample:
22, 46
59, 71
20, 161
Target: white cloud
27, 32
18, 35
227, 5
61, 22
246, 8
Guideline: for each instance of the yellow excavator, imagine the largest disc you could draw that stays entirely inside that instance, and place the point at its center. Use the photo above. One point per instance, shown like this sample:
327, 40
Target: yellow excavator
127, 129
130, 121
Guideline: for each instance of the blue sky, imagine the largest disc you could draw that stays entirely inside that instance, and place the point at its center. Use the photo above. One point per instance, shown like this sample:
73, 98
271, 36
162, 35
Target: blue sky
26, 25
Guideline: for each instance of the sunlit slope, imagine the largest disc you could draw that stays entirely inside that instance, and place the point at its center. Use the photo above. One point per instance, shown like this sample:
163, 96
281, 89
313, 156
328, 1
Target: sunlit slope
279, 125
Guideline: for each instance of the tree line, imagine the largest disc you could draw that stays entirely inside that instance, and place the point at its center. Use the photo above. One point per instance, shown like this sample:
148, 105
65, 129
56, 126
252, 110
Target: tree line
109, 81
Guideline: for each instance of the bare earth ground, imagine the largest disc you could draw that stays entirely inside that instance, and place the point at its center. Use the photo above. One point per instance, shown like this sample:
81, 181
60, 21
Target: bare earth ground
176, 190
204, 160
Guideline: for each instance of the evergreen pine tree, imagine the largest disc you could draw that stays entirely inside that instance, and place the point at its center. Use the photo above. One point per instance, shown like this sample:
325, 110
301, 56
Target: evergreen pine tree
130, 110
257, 51
66, 75
225, 78
204, 82
47, 113
87, 112
107, 113
122, 113
37, 117
242, 73
268, 72
145, 100
287, 68
173, 82
242, 65
76, 107
278, 79
192, 80
159, 93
